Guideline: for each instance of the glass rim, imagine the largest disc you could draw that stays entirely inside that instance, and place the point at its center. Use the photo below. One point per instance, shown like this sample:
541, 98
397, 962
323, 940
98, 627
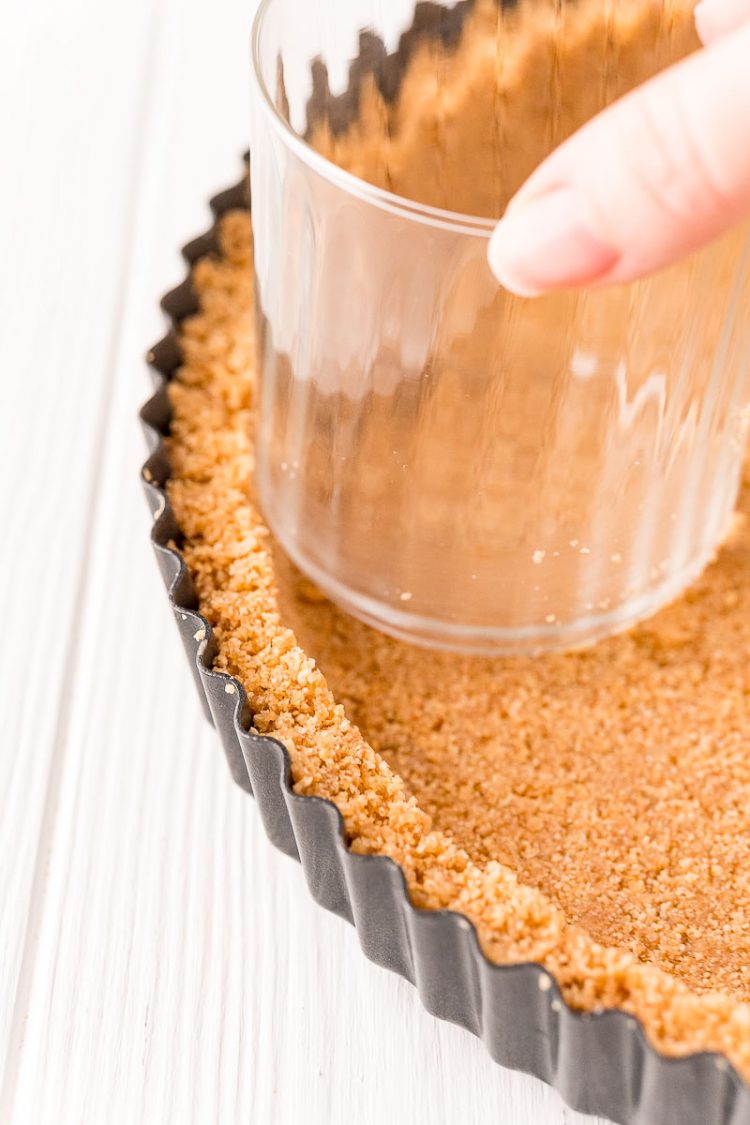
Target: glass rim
474, 226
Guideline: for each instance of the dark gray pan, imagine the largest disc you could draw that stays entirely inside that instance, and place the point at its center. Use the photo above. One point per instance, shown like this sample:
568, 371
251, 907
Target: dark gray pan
601, 1063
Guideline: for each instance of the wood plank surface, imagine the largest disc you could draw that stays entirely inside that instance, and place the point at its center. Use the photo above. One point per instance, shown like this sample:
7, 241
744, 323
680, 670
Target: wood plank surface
159, 962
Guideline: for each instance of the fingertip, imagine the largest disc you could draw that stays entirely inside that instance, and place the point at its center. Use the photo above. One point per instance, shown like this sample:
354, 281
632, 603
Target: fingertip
502, 260
550, 242
704, 22
716, 18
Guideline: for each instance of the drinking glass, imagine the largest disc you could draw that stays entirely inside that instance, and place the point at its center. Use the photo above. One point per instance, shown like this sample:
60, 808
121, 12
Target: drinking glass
455, 465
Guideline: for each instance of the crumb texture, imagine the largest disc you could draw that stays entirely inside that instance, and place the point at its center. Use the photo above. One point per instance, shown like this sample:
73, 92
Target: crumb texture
588, 811
461, 124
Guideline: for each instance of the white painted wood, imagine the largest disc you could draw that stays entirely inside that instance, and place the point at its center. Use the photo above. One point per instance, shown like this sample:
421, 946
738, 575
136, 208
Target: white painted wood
159, 962
68, 158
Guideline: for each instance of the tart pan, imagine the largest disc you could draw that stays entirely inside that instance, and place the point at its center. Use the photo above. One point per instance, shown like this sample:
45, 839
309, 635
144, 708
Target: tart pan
601, 1063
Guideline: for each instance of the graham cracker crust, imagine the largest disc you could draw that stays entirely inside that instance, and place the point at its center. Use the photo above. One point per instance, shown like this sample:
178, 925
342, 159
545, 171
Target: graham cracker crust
587, 811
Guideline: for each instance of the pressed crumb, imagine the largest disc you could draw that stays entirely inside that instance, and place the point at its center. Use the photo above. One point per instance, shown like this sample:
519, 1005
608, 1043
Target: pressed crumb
589, 811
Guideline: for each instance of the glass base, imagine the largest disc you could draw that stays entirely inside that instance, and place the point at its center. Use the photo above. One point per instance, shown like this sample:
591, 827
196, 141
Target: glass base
432, 633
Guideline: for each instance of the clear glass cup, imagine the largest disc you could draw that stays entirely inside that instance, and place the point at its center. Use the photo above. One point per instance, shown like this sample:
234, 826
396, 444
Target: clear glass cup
452, 464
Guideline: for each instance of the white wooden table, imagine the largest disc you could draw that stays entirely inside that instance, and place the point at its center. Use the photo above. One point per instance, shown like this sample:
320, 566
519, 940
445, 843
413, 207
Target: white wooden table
159, 962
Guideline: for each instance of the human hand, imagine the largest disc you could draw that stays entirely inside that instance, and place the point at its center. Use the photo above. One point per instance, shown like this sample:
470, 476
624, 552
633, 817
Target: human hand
655, 176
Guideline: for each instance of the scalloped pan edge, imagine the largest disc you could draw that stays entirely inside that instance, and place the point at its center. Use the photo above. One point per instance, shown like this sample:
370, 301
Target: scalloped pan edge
601, 1063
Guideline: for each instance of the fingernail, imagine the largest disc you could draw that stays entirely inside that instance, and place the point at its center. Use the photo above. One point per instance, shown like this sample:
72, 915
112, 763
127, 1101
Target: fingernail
716, 18
699, 15
548, 244
705, 18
